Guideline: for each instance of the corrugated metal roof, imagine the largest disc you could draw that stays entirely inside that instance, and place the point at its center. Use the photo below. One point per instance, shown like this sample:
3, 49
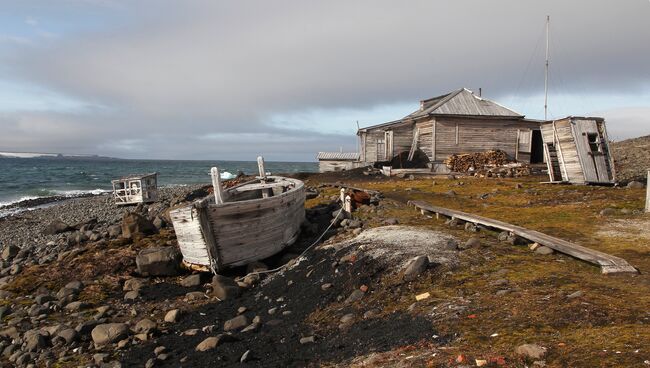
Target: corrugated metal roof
344, 156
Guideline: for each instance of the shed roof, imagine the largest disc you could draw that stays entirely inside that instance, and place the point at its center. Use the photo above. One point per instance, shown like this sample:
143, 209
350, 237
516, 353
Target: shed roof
342, 156
135, 176
460, 102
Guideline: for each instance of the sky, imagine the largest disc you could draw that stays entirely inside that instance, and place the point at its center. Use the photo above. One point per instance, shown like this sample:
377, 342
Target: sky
230, 80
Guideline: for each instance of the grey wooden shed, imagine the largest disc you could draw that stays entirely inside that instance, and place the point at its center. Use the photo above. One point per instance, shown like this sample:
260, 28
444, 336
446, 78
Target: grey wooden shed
577, 151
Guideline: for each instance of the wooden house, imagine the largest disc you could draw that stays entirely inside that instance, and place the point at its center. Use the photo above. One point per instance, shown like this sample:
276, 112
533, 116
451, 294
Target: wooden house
454, 123
577, 151
338, 161
135, 189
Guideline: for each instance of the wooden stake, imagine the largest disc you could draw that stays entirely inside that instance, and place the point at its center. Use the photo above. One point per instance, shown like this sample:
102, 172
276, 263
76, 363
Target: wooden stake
348, 204
647, 194
260, 166
216, 184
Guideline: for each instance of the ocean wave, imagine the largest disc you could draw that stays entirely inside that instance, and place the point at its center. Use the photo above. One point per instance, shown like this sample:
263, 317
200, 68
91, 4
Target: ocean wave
52, 193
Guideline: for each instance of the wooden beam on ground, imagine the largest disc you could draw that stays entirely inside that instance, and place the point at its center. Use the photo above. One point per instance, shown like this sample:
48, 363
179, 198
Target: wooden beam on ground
608, 263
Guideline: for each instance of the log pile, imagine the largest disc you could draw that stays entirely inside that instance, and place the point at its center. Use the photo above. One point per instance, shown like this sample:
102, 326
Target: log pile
493, 163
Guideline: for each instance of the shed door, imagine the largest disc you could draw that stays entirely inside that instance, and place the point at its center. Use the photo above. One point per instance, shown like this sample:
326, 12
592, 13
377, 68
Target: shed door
591, 150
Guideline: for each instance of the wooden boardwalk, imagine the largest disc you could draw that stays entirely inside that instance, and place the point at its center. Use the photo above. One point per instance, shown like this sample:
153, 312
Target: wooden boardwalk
609, 264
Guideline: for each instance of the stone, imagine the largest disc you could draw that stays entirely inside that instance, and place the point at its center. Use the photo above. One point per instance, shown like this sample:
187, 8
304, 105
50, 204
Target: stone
134, 223
532, 351
9, 252
391, 221
471, 227
173, 316
108, 333
74, 285
159, 350
225, 288
213, 341
543, 250
133, 284
159, 223
34, 341
145, 326
635, 185
307, 340
415, 267
326, 286
576, 294
158, 261
76, 306
608, 212
195, 295
191, 281
472, 242
504, 235
235, 323
68, 334
114, 231
131, 295
57, 227
44, 298
354, 297
100, 358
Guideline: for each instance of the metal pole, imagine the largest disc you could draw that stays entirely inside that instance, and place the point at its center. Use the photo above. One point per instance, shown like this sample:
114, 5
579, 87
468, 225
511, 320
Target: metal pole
647, 193
548, 20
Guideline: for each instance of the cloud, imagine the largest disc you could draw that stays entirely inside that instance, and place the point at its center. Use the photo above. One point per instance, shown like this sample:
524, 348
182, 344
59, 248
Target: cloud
209, 68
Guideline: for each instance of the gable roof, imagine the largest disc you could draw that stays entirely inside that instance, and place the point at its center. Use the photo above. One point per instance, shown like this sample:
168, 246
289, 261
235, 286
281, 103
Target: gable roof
460, 102
339, 156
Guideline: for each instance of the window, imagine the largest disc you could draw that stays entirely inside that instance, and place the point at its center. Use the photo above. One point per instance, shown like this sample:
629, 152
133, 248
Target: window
594, 142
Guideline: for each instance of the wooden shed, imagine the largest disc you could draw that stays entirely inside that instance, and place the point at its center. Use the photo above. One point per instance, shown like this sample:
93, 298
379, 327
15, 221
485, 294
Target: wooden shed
454, 123
577, 151
133, 189
338, 161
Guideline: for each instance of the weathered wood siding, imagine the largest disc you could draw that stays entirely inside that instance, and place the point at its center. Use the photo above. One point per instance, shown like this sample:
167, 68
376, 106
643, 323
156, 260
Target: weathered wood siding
191, 240
333, 165
399, 141
568, 152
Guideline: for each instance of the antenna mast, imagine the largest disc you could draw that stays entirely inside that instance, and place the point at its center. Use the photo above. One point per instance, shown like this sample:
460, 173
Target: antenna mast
548, 20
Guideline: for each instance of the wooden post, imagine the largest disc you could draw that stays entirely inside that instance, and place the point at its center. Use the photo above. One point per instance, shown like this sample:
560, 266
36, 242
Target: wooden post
262, 170
348, 205
647, 194
216, 184
342, 196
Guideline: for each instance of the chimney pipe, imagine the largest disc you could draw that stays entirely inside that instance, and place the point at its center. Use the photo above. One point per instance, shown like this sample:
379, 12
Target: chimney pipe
480, 92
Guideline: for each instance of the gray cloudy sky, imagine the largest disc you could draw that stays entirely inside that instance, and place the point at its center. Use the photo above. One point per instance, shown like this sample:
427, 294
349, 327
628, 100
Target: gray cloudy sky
233, 79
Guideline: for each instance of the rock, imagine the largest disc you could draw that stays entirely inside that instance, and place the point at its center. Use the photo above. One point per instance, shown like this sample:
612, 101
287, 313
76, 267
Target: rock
391, 221
415, 267
213, 341
100, 358
158, 261
131, 295
635, 185
57, 227
134, 223
543, 250
224, 287
109, 333
326, 286
76, 306
159, 223
69, 335
472, 242
504, 235
145, 326
11, 333
191, 281
532, 351
576, 294
9, 252
608, 212
195, 295
114, 231
34, 341
355, 296
75, 285
133, 284
173, 316
307, 340
159, 350
471, 228
235, 323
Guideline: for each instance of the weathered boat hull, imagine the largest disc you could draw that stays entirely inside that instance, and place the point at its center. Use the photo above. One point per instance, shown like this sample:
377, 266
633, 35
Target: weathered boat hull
217, 236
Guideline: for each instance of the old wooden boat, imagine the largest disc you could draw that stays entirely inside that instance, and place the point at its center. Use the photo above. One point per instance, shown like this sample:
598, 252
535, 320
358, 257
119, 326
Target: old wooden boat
248, 222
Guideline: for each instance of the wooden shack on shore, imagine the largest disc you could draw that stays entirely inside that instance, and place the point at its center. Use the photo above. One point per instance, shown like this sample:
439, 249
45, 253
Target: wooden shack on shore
134, 189
577, 151
338, 161
454, 123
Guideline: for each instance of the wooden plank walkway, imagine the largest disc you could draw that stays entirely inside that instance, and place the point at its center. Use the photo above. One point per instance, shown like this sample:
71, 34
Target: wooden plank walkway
609, 264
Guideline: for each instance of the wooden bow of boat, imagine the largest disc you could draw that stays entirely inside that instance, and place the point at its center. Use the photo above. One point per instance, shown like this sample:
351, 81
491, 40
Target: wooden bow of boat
242, 224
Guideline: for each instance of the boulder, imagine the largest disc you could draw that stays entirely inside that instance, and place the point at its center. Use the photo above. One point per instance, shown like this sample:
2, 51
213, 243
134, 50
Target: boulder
224, 287
134, 223
191, 281
635, 185
415, 267
145, 326
108, 333
532, 351
472, 242
9, 252
57, 227
235, 323
158, 261
69, 335
34, 341
172, 316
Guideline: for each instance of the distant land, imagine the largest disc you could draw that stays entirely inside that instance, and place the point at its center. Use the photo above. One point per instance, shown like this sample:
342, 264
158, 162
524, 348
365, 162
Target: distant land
49, 155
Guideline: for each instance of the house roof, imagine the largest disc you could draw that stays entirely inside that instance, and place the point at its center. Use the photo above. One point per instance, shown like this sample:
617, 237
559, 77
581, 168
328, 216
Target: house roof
460, 102
343, 156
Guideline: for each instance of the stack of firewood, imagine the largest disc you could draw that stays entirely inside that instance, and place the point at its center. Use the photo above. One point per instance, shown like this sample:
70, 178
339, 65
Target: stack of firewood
470, 162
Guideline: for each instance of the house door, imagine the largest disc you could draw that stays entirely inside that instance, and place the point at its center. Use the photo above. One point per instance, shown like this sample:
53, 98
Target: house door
591, 150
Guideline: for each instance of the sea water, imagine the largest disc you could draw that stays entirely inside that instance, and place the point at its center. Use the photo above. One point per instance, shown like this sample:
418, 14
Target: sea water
31, 178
